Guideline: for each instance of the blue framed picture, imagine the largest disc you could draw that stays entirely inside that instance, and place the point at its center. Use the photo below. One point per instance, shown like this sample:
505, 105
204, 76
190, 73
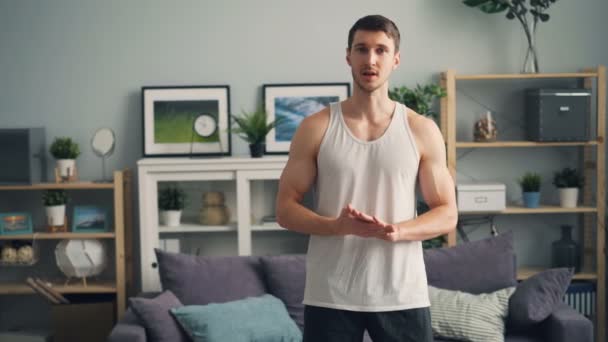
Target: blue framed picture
15, 223
291, 103
90, 219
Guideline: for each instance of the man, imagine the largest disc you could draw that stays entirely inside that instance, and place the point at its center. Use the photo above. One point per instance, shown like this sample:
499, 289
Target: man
365, 268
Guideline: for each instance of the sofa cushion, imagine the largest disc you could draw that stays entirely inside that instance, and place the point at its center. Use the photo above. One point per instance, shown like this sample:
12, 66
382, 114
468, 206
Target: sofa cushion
261, 318
537, 297
285, 277
203, 279
475, 267
465, 316
155, 317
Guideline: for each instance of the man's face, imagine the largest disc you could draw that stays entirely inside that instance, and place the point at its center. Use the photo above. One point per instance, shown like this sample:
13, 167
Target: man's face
372, 58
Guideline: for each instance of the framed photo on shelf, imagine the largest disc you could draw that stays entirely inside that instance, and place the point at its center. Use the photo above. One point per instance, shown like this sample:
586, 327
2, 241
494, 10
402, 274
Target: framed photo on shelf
15, 223
90, 219
291, 103
186, 121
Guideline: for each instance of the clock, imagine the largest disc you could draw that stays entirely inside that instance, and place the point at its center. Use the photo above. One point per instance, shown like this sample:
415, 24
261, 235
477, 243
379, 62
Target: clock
205, 125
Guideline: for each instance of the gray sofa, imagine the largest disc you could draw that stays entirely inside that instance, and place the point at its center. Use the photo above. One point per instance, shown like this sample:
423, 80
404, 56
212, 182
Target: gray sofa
477, 267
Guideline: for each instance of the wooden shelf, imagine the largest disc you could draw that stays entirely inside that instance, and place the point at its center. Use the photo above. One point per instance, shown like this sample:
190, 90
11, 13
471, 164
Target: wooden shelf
544, 209
74, 287
66, 186
526, 272
524, 76
498, 144
195, 228
58, 236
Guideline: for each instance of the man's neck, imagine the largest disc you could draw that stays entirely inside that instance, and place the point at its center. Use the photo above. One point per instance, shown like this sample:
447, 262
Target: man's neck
373, 106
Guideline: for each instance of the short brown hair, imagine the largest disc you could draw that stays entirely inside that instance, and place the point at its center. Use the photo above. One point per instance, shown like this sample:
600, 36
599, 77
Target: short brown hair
375, 23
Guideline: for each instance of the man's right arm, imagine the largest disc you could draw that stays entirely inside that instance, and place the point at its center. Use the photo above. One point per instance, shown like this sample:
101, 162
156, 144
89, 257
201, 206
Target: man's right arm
298, 177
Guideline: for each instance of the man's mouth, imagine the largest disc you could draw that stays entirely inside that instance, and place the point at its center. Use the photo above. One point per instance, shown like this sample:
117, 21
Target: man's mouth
370, 73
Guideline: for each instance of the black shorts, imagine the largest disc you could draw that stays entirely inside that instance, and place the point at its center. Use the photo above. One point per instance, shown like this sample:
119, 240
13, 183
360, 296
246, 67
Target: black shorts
332, 325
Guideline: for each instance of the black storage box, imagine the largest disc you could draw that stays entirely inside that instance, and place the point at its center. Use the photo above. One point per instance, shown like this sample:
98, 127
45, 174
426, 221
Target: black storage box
22, 155
558, 114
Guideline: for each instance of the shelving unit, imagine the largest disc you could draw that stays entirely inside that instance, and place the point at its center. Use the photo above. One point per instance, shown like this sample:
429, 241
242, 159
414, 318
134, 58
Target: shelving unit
591, 213
249, 185
119, 236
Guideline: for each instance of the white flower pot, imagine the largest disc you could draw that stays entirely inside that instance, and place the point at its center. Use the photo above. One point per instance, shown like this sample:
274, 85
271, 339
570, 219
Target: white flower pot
170, 218
55, 215
568, 197
66, 167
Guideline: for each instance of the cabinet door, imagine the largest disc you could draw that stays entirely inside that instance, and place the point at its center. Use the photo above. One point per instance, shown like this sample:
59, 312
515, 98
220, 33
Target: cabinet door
259, 233
190, 236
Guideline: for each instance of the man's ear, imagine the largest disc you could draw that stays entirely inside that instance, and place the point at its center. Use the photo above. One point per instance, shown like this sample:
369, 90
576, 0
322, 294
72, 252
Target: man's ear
348, 56
397, 60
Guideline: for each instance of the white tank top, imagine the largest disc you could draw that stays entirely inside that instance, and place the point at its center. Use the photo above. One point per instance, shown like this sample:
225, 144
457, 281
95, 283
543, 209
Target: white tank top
379, 178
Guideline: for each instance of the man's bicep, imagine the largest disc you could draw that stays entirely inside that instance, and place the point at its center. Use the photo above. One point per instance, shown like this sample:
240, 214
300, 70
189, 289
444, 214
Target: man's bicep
435, 181
301, 169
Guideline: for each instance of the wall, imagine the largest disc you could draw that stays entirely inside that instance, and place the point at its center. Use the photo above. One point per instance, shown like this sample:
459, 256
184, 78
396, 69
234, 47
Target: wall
74, 66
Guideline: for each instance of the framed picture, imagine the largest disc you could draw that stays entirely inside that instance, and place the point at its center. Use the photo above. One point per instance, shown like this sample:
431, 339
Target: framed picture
186, 121
90, 219
291, 103
15, 223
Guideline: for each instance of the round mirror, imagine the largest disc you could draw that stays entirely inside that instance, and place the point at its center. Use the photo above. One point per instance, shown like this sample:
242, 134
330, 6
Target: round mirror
103, 145
103, 142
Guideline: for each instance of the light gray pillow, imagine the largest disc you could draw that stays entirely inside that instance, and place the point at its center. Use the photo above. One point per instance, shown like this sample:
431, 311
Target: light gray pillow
465, 316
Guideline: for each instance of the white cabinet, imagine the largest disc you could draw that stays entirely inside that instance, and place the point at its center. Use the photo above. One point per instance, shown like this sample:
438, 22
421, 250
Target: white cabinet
249, 186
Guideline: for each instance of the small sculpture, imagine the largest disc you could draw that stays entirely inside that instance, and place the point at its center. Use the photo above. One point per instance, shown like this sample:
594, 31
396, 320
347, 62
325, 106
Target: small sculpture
214, 212
9, 254
485, 129
25, 254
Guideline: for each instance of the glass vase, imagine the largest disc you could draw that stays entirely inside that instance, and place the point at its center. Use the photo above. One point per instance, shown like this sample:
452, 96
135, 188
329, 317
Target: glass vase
531, 61
565, 252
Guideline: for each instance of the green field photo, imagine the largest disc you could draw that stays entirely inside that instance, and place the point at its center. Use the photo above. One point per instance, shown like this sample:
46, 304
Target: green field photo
174, 121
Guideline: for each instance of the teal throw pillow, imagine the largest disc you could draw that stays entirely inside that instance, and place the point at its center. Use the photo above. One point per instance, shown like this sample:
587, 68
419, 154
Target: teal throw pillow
260, 319
468, 317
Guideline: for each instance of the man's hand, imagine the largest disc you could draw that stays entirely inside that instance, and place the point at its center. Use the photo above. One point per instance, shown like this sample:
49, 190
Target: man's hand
363, 225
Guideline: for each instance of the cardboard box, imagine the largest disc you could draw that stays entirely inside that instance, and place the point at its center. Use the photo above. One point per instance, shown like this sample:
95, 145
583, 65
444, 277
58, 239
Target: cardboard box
91, 322
481, 197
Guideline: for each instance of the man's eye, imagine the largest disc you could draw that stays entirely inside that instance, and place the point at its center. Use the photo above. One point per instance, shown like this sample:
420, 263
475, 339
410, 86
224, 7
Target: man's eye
361, 49
380, 51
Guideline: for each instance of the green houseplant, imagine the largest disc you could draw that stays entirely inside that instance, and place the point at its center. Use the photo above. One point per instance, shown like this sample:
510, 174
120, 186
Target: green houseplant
253, 128
528, 12
54, 204
419, 99
568, 181
65, 150
530, 185
171, 202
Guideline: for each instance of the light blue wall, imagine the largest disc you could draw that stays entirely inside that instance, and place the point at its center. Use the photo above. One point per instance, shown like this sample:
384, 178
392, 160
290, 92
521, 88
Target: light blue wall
73, 66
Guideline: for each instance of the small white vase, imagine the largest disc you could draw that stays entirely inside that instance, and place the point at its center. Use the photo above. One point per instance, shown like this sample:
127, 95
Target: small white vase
55, 215
66, 167
568, 197
170, 218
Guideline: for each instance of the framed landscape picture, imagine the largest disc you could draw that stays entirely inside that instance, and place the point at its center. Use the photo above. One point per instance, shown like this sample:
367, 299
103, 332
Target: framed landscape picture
291, 103
186, 121
90, 219
15, 223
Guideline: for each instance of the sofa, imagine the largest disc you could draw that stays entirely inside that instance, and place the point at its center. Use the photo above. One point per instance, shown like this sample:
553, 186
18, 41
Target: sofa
475, 268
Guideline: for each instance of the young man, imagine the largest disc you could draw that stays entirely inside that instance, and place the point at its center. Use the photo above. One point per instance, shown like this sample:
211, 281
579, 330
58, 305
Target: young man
365, 268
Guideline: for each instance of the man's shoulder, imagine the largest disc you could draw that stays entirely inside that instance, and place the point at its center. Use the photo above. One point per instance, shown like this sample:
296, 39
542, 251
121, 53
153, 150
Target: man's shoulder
420, 124
316, 121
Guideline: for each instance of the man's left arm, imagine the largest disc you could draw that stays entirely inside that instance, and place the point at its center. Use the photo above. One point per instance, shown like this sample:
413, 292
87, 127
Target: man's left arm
437, 187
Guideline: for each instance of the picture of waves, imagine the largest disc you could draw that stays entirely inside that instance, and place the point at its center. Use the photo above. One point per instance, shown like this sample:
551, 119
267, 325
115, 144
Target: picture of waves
292, 110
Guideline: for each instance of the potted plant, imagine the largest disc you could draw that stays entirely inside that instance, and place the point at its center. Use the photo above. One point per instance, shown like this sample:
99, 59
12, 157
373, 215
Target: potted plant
568, 181
253, 128
530, 186
419, 99
65, 151
171, 202
54, 204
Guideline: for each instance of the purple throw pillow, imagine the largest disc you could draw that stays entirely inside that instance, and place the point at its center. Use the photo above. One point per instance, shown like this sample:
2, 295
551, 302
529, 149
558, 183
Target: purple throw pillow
537, 297
200, 280
286, 277
154, 315
476, 267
